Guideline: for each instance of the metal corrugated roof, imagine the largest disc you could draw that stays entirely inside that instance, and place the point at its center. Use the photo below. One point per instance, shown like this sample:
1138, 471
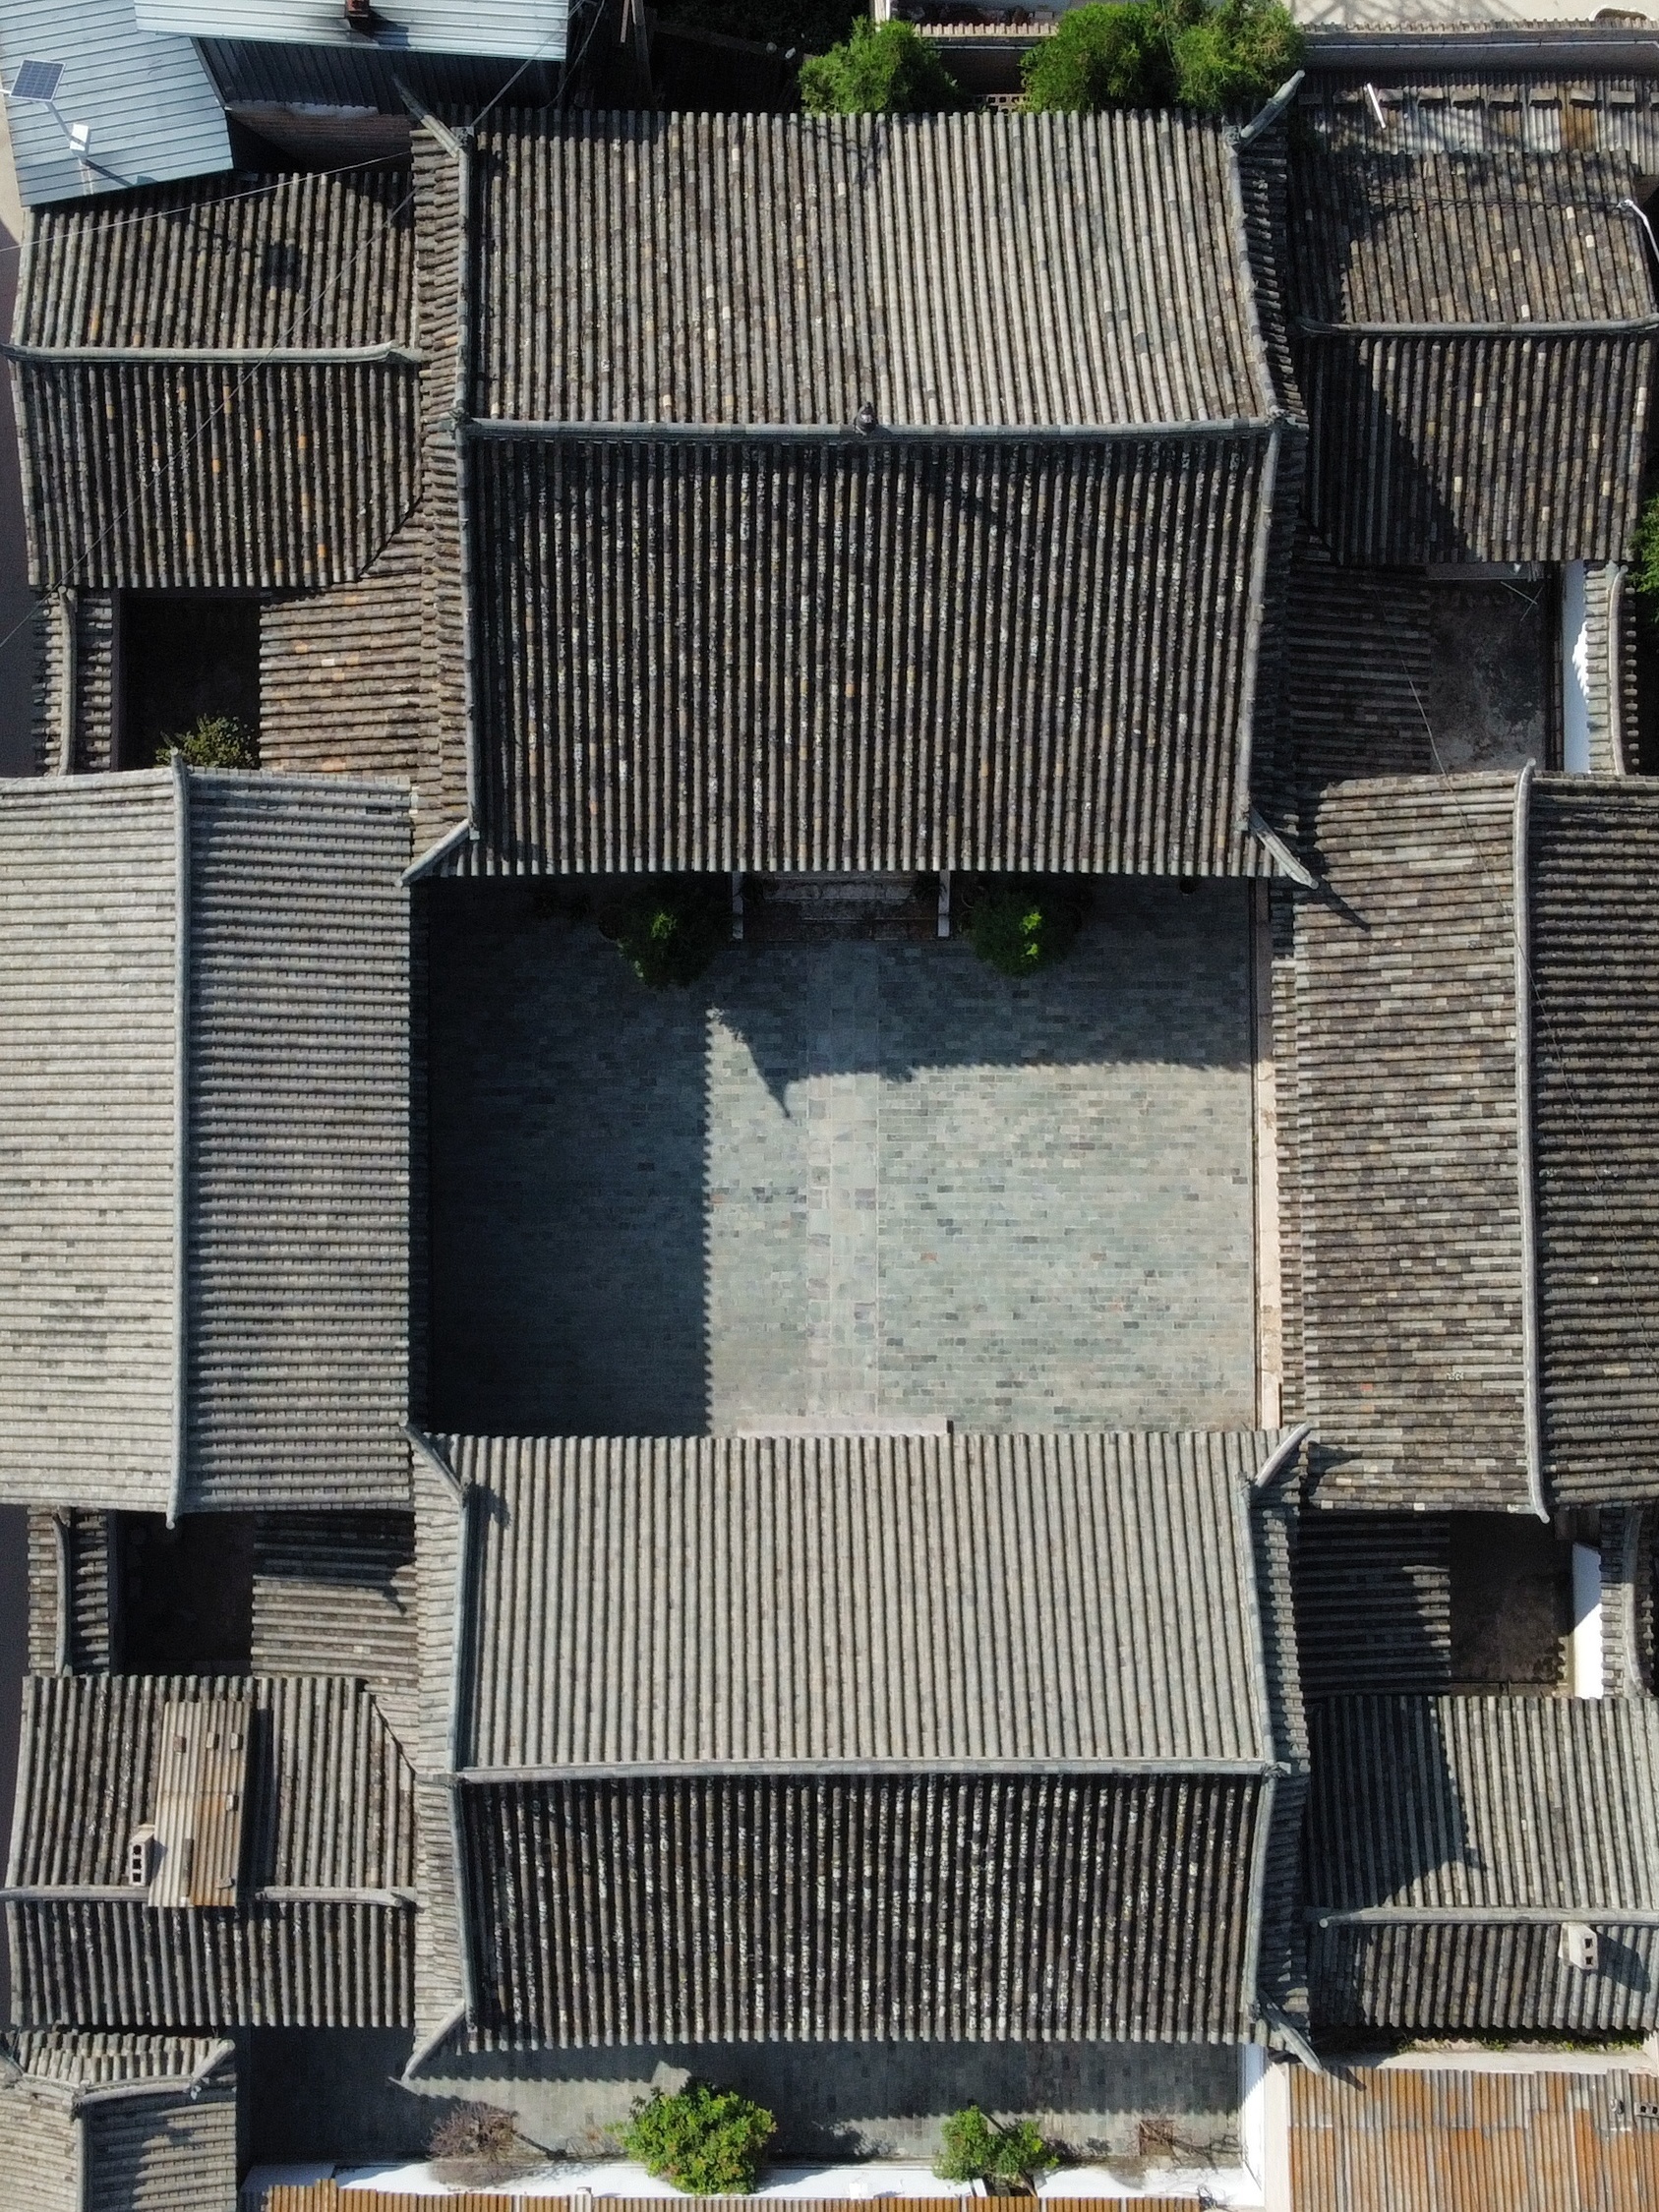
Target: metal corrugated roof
150, 109
518, 29
1364, 2139
786, 1603
286, 1330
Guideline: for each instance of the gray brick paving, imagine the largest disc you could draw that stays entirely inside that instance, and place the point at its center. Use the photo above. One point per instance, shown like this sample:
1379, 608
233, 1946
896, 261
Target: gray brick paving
844, 1180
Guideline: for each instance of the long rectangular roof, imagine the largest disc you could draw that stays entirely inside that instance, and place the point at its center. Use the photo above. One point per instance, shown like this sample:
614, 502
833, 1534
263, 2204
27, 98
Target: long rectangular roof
220, 388
1476, 1020
803, 1603
1448, 310
205, 1167
863, 493
515, 28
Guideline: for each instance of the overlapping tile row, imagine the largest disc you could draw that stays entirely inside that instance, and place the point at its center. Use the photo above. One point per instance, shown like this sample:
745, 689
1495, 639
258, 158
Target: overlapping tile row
1374, 1602
1406, 1133
340, 670
443, 778
780, 1600
1595, 1069
86, 1542
967, 1908
1365, 2140
298, 1230
87, 1007
440, 1971
1358, 660
1004, 270
330, 1808
335, 1594
1282, 1975
168, 472
1625, 1536
1469, 109
1451, 1821
1614, 707
165, 2142
1418, 412
893, 657
76, 641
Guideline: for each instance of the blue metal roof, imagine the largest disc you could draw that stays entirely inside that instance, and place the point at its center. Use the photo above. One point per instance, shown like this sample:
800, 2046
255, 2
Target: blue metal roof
519, 28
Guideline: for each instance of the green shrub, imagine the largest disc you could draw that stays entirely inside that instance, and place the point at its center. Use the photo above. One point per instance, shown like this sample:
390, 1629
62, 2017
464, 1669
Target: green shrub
213, 741
1164, 53
669, 932
979, 2149
1021, 927
707, 2141
1644, 568
883, 68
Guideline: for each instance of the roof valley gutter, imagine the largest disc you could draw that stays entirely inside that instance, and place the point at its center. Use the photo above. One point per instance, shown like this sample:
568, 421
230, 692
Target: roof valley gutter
1256, 1914
1640, 326
181, 1136
458, 1738
1531, 1401
512, 430
1480, 1916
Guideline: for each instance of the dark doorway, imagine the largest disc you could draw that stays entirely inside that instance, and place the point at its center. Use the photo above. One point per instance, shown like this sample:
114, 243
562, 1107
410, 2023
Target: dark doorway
1511, 1603
185, 655
187, 1594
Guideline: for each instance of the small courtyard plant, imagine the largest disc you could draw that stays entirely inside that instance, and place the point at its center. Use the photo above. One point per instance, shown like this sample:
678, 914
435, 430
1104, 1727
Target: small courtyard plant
211, 742
1196, 54
475, 2142
707, 2141
880, 69
1021, 927
1644, 569
979, 2149
668, 932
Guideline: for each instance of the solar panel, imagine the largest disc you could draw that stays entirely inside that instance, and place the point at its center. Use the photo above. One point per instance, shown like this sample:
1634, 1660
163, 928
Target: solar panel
37, 80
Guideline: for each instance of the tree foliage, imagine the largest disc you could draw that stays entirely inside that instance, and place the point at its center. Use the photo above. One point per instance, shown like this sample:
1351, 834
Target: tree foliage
1021, 927
706, 2141
669, 931
1644, 569
881, 69
977, 2148
1197, 54
212, 741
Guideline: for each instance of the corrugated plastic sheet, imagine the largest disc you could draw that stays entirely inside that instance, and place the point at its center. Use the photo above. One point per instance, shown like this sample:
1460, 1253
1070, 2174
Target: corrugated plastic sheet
332, 1807
298, 1136
1414, 433
1426, 1810
168, 472
1595, 1058
976, 1908
781, 1601
884, 656
87, 917
1409, 1192
1365, 2140
1004, 270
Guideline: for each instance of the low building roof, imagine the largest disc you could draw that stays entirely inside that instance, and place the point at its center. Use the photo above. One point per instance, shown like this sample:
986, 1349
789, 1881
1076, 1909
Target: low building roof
1453, 1839
516, 29
220, 389
1476, 1023
320, 1936
114, 2122
1448, 309
1037, 1684
849, 491
204, 1220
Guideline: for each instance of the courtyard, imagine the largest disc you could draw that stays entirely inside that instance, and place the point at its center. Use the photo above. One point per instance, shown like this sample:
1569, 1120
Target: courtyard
841, 1183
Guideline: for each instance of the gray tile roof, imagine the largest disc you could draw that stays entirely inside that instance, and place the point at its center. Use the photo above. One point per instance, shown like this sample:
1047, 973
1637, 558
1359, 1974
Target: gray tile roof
1014, 625
102, 2123
791, 1603
322, 1937
282, 993
1450, 311
195, 403
702, 1672
1465, 1832
1472, 1238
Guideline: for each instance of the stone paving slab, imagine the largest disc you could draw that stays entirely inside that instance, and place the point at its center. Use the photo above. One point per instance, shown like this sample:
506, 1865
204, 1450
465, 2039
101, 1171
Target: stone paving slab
843, 1181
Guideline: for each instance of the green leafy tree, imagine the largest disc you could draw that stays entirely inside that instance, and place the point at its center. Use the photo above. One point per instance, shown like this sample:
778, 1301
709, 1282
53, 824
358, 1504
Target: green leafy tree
1019, 928
706, 2141
1644, 569
881, 69
977, 2148
1164, 53
669, 932
212, 741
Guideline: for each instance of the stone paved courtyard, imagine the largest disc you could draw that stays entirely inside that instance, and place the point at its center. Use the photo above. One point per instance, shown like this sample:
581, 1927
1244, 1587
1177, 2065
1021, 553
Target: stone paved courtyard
842, 1180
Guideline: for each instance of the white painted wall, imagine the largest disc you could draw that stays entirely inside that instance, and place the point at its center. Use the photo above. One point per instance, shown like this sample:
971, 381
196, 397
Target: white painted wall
1587, 1664
1574, 671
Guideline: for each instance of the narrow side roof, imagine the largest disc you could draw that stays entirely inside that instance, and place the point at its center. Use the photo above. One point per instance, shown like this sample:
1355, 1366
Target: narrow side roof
976, 271
792, 1604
